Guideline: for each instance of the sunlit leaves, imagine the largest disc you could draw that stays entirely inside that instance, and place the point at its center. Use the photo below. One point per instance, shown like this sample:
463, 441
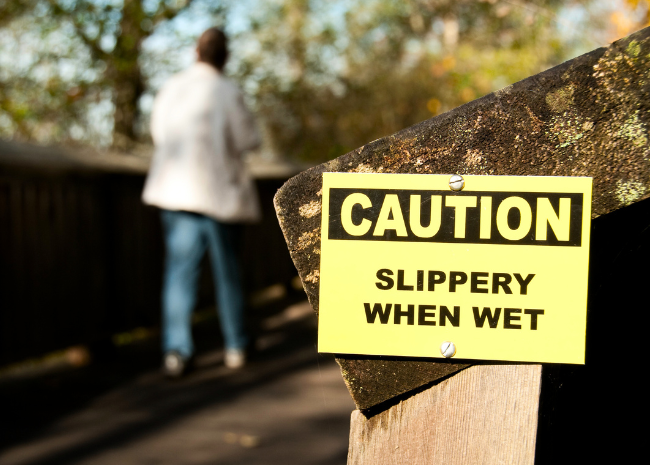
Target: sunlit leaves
331, 78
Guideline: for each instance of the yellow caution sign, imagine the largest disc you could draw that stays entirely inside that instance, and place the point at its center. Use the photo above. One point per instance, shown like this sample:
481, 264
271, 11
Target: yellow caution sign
494, 271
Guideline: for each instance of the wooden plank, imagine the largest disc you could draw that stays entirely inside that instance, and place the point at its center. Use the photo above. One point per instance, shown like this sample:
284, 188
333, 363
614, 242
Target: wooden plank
485, 414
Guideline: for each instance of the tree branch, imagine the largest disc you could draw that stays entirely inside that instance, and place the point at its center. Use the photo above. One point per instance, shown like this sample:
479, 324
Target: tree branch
165, 13
13, 9
92, 43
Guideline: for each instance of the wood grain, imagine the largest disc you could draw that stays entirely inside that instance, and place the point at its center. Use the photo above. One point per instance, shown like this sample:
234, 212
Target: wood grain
486, 414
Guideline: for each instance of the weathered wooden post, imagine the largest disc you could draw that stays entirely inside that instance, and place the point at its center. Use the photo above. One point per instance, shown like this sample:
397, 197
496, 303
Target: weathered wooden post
585, 118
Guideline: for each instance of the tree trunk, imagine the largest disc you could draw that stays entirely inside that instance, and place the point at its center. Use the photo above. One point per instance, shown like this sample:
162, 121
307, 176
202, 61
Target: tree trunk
123, 73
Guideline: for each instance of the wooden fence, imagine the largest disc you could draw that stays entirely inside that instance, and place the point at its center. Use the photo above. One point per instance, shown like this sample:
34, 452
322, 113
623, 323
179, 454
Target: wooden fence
81, 257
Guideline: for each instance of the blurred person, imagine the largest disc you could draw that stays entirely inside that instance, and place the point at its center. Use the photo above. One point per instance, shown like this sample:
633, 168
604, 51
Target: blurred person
200, 128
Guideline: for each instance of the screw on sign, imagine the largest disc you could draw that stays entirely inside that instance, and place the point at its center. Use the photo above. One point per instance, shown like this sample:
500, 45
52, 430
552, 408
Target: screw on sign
456, 182
448, 349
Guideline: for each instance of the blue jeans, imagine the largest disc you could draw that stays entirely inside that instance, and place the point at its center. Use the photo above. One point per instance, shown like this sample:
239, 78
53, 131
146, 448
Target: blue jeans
187, 236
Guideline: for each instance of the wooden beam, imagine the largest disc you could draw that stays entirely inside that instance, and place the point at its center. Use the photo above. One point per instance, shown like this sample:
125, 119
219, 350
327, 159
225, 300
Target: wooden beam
585, 117
485, 414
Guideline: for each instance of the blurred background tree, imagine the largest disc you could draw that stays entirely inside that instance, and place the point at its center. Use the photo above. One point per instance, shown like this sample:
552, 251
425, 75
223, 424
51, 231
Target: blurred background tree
324, 77
346, 73
72, 69
631, 16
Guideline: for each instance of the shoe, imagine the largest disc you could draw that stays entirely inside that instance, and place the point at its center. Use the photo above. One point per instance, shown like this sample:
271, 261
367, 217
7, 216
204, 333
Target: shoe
174, 364
235, 358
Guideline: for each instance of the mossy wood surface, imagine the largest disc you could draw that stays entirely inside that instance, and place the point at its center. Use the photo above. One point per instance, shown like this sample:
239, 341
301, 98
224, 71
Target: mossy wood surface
586, 117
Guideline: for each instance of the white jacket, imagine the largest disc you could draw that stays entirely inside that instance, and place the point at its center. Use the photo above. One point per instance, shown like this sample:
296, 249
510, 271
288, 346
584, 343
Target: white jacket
200, 128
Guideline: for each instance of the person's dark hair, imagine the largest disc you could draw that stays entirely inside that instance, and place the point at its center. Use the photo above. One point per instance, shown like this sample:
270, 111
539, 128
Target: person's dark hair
212, 47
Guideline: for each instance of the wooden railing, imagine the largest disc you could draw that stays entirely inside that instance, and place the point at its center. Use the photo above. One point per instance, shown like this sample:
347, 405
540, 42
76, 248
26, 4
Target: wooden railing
80, 255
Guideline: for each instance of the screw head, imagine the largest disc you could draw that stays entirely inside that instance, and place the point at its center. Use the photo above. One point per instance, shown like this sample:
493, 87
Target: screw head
448, 349
456, 182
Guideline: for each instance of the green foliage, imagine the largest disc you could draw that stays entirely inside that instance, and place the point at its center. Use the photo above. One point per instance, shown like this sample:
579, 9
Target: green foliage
324, 77
71, 69
329, 78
